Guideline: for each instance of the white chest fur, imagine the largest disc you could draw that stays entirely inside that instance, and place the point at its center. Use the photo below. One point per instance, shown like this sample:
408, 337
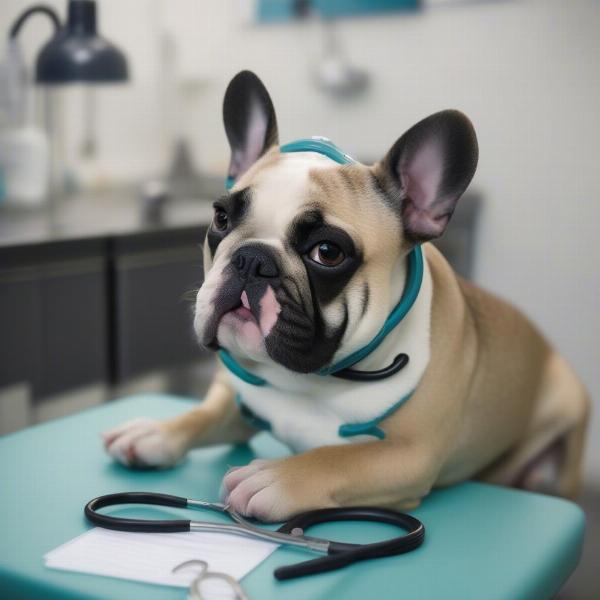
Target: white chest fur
306, 411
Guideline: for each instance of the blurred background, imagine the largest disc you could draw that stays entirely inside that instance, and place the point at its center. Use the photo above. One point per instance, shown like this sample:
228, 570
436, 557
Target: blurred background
107, 176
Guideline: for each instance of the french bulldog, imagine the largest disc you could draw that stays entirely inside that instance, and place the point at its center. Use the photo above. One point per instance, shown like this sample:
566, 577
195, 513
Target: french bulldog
304, 261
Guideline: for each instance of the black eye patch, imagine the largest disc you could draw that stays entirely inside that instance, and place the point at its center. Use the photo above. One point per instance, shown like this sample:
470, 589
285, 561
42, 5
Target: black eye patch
310, 228
326, 281
328, 233
235, 206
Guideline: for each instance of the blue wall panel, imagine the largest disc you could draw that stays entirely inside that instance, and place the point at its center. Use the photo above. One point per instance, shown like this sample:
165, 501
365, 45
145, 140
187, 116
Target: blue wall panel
271, 11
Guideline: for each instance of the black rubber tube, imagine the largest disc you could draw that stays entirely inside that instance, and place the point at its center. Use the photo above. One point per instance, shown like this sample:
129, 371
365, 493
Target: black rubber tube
343, 554
136, 525
353, 375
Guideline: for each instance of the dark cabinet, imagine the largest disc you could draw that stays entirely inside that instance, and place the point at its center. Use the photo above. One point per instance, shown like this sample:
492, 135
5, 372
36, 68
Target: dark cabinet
53, 321
19, 325
155, 277
75, 312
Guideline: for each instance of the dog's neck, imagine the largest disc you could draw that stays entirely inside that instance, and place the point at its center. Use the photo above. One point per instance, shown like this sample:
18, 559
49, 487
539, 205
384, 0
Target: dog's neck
412, 335
366, 329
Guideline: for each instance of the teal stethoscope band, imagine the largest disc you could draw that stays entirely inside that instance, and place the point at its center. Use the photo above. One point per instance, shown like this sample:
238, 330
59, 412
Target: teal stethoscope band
414, 278
238, 370
345, 430
320, 145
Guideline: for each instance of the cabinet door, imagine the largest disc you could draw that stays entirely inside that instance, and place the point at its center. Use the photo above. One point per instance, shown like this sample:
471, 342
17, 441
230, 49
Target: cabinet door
155, 279
53, 315
19, 327
74, 322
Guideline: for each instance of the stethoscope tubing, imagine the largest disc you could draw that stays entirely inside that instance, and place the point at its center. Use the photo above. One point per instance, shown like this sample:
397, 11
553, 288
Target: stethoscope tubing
137, 525
364, 376
342, 554
337, 554
242, 526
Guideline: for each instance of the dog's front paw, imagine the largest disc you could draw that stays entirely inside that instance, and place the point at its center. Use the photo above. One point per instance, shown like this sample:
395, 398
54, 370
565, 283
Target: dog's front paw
256, 491
272, 490
143, 443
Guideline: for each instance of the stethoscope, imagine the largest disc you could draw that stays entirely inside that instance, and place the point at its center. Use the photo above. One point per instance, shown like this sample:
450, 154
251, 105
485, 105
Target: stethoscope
292, 533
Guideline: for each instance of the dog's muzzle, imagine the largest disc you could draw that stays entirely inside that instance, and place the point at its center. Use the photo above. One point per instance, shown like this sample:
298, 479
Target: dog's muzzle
252, 269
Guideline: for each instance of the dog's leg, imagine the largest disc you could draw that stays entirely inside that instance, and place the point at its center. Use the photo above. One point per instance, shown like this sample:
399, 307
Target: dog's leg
549, 458
570, 473
572, 395
382, 473
147, 442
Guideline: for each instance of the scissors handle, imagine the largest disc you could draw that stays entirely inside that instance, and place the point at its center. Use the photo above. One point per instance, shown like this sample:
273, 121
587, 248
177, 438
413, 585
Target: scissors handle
341, 554
136, 525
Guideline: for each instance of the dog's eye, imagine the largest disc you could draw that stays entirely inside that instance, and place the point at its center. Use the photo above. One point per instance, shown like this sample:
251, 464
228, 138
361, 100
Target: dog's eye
220, 220
327, 254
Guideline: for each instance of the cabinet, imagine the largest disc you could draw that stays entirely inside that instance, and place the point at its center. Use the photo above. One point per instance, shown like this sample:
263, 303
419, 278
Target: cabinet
74, 312
154, 280
53, 318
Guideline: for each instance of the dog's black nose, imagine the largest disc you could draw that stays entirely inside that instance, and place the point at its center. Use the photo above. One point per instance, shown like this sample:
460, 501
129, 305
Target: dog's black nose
255, 261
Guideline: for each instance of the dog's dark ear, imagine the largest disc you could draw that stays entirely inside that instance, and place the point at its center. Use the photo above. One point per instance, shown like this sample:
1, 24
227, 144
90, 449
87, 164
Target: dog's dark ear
427, 170
250, 121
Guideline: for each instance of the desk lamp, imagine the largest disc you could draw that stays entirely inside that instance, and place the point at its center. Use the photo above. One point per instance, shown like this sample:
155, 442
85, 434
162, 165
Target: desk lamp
75, 53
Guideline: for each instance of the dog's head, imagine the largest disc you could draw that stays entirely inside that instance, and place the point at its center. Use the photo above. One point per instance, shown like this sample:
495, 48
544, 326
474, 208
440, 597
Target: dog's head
305, 257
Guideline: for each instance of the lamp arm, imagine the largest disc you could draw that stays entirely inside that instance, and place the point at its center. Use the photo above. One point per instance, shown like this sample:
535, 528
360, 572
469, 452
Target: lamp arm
37, 8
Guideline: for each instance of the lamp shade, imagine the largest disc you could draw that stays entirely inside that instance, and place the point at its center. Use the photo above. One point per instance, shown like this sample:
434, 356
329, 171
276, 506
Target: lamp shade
77, 53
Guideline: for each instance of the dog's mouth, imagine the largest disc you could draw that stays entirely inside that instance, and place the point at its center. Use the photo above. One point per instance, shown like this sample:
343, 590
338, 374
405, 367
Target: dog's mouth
260, 319
241, 317
246, 313
243, 310
227, 301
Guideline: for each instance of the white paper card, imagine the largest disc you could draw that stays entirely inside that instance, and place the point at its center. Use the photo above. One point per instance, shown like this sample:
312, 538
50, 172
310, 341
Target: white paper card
151, 557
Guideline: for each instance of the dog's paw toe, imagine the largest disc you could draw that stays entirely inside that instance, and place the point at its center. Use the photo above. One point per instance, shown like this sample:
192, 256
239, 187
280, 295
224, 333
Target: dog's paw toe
256, 491
143, 443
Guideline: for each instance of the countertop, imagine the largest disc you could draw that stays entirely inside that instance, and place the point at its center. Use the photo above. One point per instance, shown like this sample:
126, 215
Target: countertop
97, 215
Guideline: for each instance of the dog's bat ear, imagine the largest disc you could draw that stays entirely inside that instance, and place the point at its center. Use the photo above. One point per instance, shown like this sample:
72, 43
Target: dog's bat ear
250, 121
427, 170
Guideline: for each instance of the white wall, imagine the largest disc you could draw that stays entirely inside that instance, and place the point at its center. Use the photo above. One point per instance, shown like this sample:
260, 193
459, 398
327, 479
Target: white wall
525, 71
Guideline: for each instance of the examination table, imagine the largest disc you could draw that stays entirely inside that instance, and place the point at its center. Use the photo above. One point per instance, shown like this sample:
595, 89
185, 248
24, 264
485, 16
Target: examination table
483, 542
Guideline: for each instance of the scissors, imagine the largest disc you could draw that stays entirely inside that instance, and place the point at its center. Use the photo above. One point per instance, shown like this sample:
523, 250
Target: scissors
292, 533
203, 574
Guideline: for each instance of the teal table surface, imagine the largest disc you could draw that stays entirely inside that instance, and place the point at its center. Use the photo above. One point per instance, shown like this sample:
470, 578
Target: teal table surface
482, 542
